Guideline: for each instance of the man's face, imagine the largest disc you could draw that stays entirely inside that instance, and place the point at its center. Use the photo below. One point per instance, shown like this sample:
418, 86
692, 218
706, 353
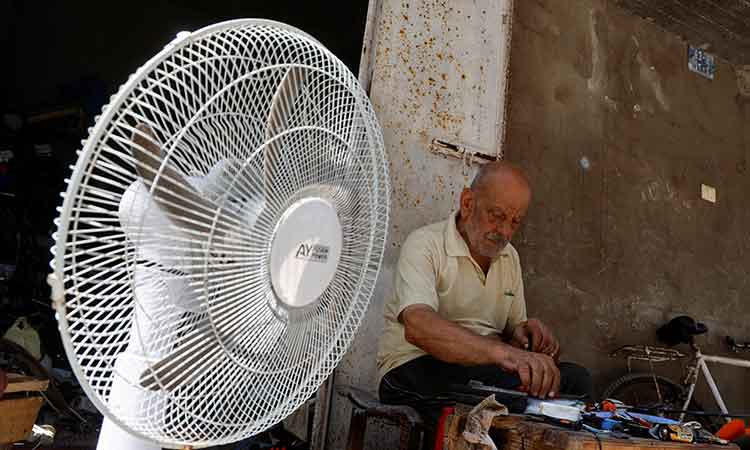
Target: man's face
492, 217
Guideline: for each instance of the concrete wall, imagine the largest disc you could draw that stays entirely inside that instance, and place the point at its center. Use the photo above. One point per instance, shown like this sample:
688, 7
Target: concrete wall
617, 136
619, 242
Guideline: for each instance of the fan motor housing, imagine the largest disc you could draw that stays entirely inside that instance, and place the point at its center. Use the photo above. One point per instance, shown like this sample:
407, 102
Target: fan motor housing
305, 252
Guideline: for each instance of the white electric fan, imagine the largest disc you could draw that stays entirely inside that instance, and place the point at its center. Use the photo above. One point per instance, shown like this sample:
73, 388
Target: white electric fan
220, 236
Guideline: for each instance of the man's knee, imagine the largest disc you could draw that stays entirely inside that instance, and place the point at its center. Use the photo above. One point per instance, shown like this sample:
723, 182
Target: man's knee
575, 380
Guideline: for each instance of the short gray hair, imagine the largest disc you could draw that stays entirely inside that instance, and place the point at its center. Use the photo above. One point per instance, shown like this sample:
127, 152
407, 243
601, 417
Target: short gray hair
486, 171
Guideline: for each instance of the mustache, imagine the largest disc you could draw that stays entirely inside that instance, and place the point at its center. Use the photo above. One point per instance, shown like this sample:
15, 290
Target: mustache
497, 238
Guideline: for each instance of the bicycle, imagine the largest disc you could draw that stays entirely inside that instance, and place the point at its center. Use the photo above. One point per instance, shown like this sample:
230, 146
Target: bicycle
650, 391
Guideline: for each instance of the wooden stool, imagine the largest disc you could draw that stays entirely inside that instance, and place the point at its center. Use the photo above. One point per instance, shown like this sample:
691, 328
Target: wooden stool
19, 407
365, 405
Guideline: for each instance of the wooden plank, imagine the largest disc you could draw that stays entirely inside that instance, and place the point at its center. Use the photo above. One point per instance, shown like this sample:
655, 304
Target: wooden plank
513, 433
17, 416
23, 383
455, 423
549, 437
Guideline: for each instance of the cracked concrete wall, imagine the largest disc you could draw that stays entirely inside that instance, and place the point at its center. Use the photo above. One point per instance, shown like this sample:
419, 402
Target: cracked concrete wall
617, 136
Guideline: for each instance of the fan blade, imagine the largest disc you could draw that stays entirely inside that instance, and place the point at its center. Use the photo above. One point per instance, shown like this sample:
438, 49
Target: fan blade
184, 206
279, 117
182, 366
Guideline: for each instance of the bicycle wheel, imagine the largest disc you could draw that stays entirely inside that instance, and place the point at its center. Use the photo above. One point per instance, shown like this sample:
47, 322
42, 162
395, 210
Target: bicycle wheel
639, 389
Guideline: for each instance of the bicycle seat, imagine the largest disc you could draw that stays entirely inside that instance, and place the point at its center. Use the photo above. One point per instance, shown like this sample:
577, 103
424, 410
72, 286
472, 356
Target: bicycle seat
680, 330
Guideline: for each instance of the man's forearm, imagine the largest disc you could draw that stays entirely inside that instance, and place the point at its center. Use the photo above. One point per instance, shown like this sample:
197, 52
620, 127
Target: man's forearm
450, 342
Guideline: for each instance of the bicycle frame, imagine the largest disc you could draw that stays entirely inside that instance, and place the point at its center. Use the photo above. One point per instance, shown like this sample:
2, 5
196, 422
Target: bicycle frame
699, 362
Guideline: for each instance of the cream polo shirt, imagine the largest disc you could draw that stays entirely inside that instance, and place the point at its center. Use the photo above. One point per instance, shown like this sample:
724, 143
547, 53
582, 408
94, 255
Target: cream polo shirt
435, 268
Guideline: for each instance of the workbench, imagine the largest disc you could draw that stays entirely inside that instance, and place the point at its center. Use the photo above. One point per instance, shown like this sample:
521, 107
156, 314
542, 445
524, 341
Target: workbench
515, 433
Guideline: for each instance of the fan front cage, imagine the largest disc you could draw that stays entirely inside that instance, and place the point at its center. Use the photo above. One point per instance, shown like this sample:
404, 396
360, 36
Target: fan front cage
162, 260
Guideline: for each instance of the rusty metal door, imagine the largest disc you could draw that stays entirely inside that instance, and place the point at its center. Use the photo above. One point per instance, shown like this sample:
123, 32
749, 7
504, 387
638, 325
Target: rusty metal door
437, 74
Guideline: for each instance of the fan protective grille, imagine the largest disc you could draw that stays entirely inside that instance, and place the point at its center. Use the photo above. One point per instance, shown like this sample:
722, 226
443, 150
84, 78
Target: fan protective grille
165, 231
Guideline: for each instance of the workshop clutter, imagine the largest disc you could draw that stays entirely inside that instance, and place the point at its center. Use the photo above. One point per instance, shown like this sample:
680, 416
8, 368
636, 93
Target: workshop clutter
615, 419
26, 336
733, 430
622, 423
609, 417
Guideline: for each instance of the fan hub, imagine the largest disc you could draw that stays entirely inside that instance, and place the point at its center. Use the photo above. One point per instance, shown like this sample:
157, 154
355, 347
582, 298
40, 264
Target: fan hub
305, 251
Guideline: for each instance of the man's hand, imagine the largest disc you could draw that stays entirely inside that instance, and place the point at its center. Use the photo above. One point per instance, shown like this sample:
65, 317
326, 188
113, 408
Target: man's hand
539, 374
534, 336
452, 343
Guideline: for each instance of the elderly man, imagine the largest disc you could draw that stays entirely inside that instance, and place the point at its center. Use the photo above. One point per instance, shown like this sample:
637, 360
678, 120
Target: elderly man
458, 312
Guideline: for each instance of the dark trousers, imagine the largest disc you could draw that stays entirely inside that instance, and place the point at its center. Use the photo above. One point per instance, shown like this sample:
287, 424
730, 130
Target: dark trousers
424, 382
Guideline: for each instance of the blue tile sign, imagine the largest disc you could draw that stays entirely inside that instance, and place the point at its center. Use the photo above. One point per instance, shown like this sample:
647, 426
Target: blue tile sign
701, 62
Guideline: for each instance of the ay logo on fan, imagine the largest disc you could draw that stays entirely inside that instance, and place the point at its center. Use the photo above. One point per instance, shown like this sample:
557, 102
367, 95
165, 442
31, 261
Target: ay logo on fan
313, 252
305, 251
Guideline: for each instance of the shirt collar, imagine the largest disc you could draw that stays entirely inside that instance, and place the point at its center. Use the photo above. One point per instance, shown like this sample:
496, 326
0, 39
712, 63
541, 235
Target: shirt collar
455, 245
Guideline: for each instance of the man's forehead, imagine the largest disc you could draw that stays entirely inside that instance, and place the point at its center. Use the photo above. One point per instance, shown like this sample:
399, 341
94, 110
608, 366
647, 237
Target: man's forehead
504, 190
508, 206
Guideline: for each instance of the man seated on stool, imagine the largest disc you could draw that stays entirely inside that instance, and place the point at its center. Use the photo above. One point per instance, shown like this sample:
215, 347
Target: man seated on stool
458, 312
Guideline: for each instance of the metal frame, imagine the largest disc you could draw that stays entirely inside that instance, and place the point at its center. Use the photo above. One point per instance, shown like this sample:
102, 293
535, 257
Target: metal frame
699, 362
691, 372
